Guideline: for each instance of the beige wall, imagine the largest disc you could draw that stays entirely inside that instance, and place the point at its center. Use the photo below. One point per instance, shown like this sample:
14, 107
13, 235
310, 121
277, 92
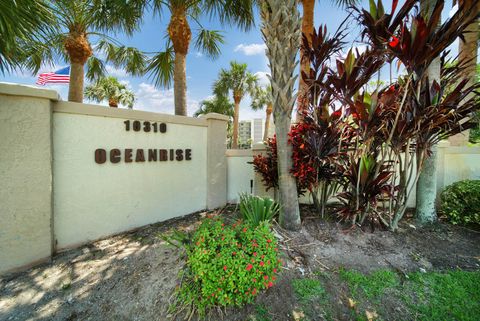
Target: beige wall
54, 195
26, 176
95, 200
240, 173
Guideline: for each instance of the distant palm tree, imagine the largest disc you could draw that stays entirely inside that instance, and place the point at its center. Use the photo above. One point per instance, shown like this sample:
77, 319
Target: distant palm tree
77, 20
171, 64
218, 104
110, 89
21, 23
240, 82
263, 98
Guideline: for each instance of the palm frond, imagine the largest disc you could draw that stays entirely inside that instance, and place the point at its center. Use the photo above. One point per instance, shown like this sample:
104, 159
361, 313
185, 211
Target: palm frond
208, 42
160, 68
95, 69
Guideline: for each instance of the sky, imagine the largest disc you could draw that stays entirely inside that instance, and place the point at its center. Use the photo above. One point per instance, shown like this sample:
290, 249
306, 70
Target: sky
244, 47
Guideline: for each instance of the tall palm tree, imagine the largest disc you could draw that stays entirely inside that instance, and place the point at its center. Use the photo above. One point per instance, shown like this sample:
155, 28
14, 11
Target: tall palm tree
170, 64
263, 98
21, 23
240, 82
110, 89
77, 21
281, 33
308, 25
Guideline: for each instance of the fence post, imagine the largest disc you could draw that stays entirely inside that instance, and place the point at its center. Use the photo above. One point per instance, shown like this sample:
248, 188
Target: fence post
216, 160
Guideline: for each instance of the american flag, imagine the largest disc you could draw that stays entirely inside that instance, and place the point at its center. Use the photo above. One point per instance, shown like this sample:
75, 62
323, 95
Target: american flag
61, 76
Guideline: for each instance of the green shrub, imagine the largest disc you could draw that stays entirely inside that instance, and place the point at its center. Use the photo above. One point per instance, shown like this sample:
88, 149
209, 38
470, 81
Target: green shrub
255, 209
460, 202
228, 265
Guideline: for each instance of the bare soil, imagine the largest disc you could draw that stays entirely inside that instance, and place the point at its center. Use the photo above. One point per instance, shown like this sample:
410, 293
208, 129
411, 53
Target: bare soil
132, 276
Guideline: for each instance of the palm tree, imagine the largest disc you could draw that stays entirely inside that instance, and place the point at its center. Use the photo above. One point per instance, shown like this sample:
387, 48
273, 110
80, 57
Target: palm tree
77, 21
307, 29
110, 89
218, 104
262, 98
21, 23
281, 33
171, 63
240, 82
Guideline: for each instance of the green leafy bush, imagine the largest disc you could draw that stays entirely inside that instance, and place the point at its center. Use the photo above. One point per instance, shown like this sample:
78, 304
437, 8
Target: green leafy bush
460, 202
227, 265
255, 209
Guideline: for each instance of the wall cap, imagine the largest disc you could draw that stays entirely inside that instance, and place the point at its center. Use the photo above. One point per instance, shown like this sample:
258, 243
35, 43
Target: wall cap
259, 146
104, 111
239, 153
14, 89
215, 116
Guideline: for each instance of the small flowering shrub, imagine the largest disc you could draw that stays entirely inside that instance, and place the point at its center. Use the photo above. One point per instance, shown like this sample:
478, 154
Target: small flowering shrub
228, 265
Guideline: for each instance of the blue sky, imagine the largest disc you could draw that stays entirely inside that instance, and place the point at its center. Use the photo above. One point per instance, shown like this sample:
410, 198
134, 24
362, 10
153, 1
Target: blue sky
245, 47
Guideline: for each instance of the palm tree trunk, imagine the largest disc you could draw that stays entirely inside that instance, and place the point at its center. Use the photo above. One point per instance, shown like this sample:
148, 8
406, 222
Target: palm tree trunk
467, 57
180, 84
75, 88
281, 29
307, 30
113, 103
180, 35
78, 47
286, 182
237, 100
267, 122
426, 189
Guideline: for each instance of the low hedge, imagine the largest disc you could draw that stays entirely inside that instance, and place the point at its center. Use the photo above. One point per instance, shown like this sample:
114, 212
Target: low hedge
460, 202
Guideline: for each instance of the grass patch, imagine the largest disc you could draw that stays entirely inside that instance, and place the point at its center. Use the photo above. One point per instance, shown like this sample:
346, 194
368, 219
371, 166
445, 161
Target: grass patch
261, 313
313, 298
454, 295
372, 285
308, 289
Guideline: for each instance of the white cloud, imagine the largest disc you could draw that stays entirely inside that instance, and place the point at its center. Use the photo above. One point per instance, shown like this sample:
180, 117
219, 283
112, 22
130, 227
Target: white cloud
116, 72
149, 98
251, 49
198, 54
262, 78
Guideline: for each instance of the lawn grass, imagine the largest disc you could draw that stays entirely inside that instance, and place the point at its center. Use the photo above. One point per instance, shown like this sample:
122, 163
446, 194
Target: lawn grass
454, 295
451, 295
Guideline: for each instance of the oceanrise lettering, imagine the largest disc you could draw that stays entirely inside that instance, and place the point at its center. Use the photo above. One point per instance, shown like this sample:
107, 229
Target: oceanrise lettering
129, 155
